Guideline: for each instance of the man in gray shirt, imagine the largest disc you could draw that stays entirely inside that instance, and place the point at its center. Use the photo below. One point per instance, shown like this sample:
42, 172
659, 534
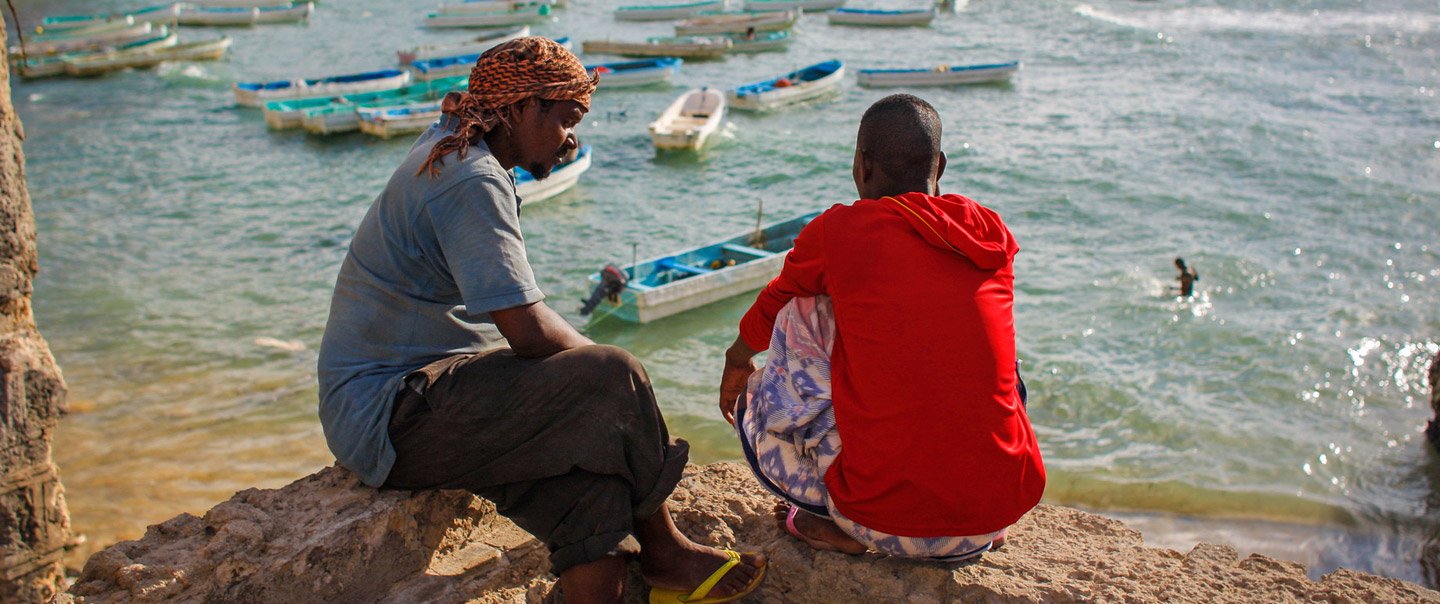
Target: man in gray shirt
441, 366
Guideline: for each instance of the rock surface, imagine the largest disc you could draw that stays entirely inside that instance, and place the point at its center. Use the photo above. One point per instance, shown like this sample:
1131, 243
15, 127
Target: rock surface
327, 538
34, 523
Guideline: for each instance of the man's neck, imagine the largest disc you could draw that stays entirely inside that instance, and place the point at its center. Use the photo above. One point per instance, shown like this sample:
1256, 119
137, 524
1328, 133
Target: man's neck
498, 140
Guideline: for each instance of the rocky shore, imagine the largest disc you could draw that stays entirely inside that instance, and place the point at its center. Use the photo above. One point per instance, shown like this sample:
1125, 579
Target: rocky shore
327, 538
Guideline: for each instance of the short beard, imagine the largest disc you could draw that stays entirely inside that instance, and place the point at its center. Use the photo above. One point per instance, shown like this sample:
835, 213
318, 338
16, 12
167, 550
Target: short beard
539, 171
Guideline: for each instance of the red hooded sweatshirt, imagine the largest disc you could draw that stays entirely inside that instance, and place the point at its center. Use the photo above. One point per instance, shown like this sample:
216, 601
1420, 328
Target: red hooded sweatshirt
934, 438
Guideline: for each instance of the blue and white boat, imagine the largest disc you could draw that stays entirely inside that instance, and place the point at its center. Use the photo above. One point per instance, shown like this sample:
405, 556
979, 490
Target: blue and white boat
564, 176
663, 286
666, 12
943, 75
160, 14
882, 18
804, 84
642, 72
386, 122
256, 94
760, 42
445, 67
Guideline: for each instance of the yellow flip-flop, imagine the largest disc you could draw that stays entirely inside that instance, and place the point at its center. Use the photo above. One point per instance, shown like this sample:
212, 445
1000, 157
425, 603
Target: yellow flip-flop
701, 593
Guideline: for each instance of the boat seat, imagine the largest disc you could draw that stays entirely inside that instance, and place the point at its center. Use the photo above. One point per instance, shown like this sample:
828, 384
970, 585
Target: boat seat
672, 264
746, 250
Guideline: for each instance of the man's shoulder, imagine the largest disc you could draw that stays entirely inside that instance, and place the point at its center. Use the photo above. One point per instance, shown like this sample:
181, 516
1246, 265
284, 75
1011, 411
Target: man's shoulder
479, 162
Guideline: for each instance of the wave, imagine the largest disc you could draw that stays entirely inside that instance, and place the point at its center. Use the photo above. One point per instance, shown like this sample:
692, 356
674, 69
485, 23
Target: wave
1215, 19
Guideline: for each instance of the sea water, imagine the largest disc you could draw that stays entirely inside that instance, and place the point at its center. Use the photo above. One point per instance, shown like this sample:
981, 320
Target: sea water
1289, 150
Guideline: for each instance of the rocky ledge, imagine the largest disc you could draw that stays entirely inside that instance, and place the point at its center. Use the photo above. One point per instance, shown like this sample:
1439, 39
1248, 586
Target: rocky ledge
327, 538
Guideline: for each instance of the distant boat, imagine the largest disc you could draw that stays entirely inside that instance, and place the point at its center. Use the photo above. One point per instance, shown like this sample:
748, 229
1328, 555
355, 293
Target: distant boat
255, 94
688, 47
807, 83
760, 42
737, 23
160, 14
291, 113
944, 75
338, 118
881, 18
475, 45
642, 72
386, 122
564, 176
533, 14
443, 67
255, 15
808, 6
689, 121
88, 38
660, 287
238, 3
666, 12
99, 64
53, 65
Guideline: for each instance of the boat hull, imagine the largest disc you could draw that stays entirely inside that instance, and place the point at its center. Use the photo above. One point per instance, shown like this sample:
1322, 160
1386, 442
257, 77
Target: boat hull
564, 177
738, 23
713, 49
253, 95
943, 76
882, 18
440, 20
634, 74
750, 99
688, 123
245, 16
808, 6
667, 12
207, 50
473, 46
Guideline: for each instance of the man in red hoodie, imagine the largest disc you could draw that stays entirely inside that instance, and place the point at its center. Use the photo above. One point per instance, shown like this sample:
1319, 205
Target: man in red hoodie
891, 330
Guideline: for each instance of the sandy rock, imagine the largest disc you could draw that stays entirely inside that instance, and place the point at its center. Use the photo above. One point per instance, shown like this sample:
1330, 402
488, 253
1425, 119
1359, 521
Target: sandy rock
327, 538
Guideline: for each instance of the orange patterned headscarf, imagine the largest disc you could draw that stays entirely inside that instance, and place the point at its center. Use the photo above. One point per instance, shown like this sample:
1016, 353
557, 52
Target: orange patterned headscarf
507, 74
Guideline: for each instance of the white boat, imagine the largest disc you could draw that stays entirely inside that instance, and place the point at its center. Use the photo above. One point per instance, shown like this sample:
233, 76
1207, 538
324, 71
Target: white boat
943, 75
205, 50
641, 72
689, 121
564, 176
426, 70
737, 23
804, 84
53, 65
808, 6
666, 12
256, 94
535, 14
113, 34
882, 18
160, 14
475, 45
490, 6
238, 3
688, 47
200, 15
292, 113
386, 122
760, 42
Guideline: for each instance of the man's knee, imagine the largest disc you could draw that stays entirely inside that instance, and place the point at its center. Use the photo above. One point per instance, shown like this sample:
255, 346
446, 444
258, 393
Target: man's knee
603, 362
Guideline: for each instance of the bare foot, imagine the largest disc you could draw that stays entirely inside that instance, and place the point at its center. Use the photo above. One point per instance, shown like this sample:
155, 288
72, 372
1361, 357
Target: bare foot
817, 532
688, 567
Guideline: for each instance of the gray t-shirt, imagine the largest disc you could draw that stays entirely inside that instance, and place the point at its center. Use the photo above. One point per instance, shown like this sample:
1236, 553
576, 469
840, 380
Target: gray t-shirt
429, 262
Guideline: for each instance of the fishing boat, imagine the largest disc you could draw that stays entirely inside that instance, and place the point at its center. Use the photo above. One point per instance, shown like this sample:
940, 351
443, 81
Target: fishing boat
109, 34
882, 18
238, 3
475, 45
395, 120
256, 94
425, 70
688, 47
160, 14
666, 12
534, 14
660, 287
99, 64
689, 121
53, 65
562, 177
252, 15
291, 113
630, 74
806, 83
808, 6
943, 75
760, 42
490, 6
737, 23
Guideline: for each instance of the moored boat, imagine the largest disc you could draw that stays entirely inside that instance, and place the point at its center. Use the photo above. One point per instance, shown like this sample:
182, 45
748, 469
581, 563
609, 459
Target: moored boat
804, 84
203, 50
444, 67
666, 12
160, 14
238, 3
688, 47
283, 115
737, 23
760, 42
689, 121
943, 75
808, 6
386, 122
112, 34
338, 118
252, 15
474, 45
490, 6
53, 65
881, 18
562, 177
641, 72
660, 287
255, 94
535, 14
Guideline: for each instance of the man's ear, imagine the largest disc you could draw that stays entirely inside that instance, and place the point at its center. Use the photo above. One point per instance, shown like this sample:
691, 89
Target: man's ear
940, 171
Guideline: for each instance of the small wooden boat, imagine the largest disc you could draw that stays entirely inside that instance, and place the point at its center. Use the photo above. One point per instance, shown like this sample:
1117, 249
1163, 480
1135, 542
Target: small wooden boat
253, 15
660, 287
110, 34
99, 64
386, 122
630, 74
535, 14
808, 6
490, 6
666, 12
882, 18
689, 121
291, 113
760, 42
807, 83
238, 3
475, 45
338, 118
944, 75
688, 47
564, 176
444, 67
256, 94
160, 14
737, 23
53, 65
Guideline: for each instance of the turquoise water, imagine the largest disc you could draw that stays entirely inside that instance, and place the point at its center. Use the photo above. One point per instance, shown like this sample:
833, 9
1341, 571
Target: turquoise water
1289, 150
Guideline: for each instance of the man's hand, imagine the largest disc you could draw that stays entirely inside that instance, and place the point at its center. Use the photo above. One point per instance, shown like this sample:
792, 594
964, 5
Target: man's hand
739, 364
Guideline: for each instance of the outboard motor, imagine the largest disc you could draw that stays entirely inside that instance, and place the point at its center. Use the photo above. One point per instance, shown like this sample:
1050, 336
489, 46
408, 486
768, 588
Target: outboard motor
612, 282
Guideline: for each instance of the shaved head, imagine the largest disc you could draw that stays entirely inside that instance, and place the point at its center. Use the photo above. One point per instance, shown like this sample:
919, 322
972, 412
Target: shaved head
900, 134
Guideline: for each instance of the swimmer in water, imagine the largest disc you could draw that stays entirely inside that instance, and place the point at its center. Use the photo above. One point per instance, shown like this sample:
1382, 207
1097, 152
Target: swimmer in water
1187, 278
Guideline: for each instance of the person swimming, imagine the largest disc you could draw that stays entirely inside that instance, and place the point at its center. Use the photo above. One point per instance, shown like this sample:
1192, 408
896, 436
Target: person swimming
1187, 278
